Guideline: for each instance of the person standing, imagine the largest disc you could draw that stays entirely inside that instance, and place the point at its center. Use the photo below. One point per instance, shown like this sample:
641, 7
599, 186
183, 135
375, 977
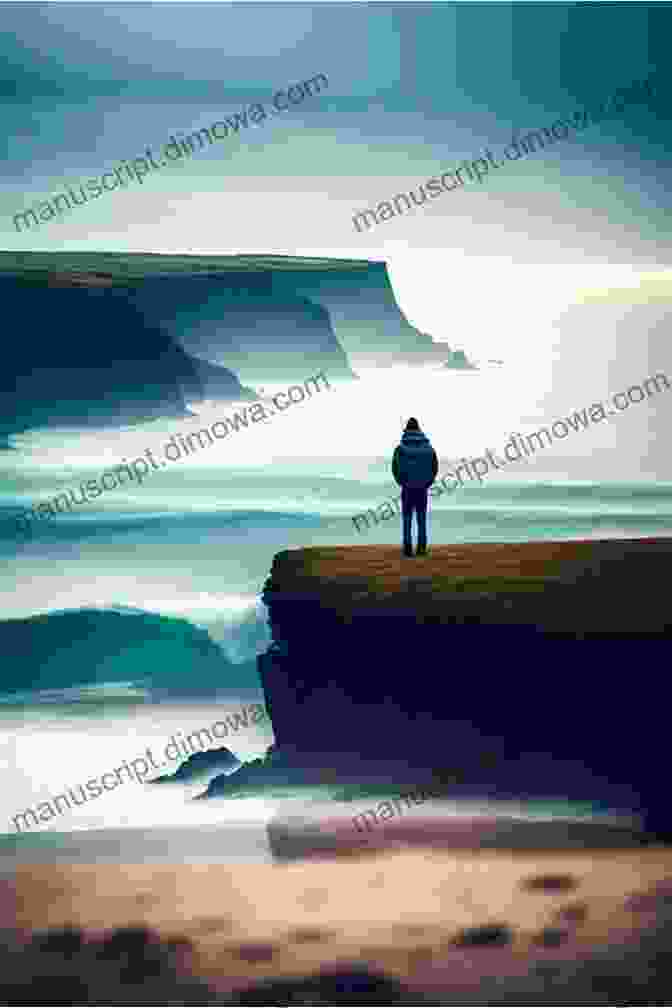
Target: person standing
414, 467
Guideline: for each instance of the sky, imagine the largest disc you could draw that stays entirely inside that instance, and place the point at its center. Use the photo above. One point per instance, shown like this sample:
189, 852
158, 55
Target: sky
421, 86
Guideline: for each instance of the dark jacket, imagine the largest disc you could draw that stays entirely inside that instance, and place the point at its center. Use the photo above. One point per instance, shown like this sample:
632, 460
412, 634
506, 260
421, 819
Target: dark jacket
414, 463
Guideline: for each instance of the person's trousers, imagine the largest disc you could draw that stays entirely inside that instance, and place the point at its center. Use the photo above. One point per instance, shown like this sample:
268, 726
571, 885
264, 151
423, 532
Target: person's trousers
414, 502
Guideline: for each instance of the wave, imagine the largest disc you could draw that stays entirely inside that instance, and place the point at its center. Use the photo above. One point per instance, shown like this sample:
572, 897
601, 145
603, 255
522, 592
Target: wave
112, 655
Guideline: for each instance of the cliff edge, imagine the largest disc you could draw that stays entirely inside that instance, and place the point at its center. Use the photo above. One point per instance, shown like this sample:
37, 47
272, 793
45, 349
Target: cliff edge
547, 656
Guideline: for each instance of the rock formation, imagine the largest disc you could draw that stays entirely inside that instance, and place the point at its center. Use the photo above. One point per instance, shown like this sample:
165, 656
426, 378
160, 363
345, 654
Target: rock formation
239, 320
549, 656
79, 353
200, 765
193, 320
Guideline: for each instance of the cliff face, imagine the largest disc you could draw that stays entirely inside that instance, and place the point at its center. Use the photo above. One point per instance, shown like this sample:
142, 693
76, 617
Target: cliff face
295, 314
364, 312
267, 318
79, 354
545, 657
238, 319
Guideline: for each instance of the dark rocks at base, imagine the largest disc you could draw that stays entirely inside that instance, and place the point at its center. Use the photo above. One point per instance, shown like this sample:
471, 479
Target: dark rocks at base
201, 762
274, 771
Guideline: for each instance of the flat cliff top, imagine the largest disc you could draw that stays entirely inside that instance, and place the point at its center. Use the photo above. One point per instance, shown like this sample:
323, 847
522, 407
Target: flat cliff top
121, 265
483, 580
467, 566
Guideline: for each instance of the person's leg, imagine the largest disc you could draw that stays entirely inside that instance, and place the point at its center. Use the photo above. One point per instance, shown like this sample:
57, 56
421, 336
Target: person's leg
421, 510
407, 516
414, 511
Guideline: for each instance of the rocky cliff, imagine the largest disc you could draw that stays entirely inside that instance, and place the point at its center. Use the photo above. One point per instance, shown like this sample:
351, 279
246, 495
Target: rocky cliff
282, 318
266, 318
364, 312
531, 669
238, 319
79, 353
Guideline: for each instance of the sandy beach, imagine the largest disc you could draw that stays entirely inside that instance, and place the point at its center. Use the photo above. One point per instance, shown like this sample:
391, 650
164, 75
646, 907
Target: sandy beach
433, 918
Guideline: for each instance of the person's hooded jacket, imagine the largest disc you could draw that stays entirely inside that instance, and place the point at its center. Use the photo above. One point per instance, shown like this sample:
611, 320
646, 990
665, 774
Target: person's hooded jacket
414, 463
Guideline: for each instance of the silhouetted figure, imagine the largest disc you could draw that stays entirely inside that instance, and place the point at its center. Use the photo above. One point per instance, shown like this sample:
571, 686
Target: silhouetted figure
414, 467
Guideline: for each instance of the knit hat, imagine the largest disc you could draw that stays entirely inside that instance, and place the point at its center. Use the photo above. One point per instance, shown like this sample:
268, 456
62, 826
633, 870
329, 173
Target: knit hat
412, 424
